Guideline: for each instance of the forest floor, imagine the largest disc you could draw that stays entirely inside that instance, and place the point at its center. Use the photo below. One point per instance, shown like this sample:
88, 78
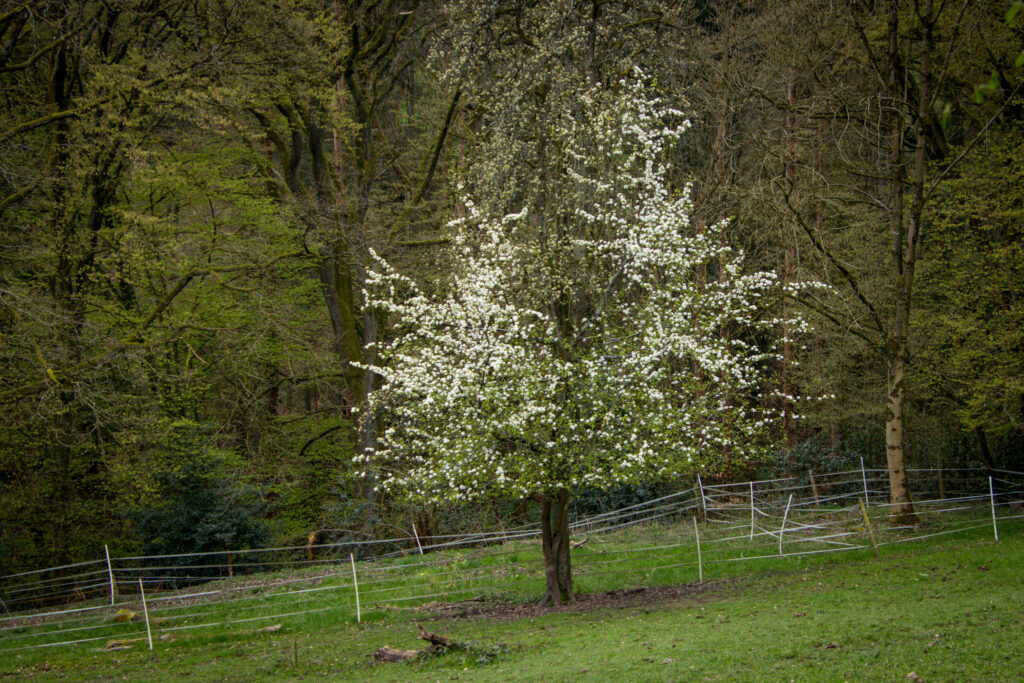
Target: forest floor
939, 609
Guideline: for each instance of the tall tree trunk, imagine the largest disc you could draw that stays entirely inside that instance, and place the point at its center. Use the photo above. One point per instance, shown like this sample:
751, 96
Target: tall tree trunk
340, 289
986, 454
906, 241
896, 344
354, 328
902, 509
787, 379
554, 524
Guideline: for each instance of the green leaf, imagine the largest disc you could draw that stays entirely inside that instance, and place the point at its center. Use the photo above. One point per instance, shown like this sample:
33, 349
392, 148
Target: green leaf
1019, 62
1015, 7
982, 91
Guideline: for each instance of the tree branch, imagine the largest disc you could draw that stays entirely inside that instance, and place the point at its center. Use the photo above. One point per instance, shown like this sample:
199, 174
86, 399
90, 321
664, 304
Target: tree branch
822, 311
312, 440
847, 275
70, 113
973, 142
16, 196
136, 334
51, 117
435, 153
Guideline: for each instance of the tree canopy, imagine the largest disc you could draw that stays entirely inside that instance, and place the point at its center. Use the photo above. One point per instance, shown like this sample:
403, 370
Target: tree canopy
646, 366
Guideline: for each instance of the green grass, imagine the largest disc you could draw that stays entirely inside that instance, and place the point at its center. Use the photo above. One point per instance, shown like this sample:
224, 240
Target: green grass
947, 608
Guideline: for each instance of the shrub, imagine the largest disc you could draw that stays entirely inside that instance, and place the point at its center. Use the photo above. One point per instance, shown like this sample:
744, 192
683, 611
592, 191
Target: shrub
195, 504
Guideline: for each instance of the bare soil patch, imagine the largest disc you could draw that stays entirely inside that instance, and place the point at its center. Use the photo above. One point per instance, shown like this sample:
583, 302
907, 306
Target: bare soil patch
654, 596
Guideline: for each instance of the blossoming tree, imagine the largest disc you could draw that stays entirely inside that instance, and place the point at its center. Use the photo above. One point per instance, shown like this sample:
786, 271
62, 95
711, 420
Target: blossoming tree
610, 344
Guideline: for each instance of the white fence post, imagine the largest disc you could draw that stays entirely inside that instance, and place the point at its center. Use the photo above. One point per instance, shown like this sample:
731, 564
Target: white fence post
703, 502
784, 516
992, 499
355, 584
864, 477
417, 537
751, 511
110, 574
700, 562
145, 613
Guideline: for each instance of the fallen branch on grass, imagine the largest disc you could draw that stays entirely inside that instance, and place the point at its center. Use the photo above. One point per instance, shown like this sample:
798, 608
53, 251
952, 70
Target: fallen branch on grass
390, 654
439, 645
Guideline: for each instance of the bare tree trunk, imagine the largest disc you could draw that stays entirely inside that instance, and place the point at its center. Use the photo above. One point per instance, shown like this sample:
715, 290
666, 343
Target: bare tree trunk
354, 327
896, 344
519, 511
787, 379
899, 494
986, 454
906, 241
555, 542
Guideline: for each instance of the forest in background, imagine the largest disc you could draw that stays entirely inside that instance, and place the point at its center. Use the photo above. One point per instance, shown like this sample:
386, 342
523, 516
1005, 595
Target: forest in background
189, 193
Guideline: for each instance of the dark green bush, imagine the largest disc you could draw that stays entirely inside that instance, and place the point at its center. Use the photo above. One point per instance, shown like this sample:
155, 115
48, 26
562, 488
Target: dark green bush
196, 506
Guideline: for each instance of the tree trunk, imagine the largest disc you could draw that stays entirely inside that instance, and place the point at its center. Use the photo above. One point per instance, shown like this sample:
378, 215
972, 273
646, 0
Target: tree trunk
906, 238
555, 541
986, 454
787, 378
353, 330
519, 511
902, 510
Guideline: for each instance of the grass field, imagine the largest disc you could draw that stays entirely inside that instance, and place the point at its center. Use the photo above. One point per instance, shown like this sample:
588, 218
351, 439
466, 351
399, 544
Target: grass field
946, 608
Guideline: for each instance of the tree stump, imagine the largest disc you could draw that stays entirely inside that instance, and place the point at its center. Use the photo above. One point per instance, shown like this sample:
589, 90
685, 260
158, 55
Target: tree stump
390, 654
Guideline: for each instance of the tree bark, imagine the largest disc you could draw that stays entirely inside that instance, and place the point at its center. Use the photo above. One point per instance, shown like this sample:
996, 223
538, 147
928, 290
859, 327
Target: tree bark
902, 509
555, 542
353, 329
788, 379
519, 511
906, 241
986, 454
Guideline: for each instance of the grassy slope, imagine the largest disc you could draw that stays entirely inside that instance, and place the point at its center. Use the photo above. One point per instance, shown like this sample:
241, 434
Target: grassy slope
948, 609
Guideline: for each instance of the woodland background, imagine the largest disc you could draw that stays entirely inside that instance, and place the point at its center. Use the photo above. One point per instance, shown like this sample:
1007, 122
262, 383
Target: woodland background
189, 191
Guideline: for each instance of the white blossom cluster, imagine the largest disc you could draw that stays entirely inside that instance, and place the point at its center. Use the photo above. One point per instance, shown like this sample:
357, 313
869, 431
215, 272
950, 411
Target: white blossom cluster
652, 371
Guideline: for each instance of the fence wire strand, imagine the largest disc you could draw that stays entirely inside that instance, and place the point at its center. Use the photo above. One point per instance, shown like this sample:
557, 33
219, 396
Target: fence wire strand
506, 559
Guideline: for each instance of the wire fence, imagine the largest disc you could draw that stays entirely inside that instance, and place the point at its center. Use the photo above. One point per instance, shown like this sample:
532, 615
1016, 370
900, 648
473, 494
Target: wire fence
120, 601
